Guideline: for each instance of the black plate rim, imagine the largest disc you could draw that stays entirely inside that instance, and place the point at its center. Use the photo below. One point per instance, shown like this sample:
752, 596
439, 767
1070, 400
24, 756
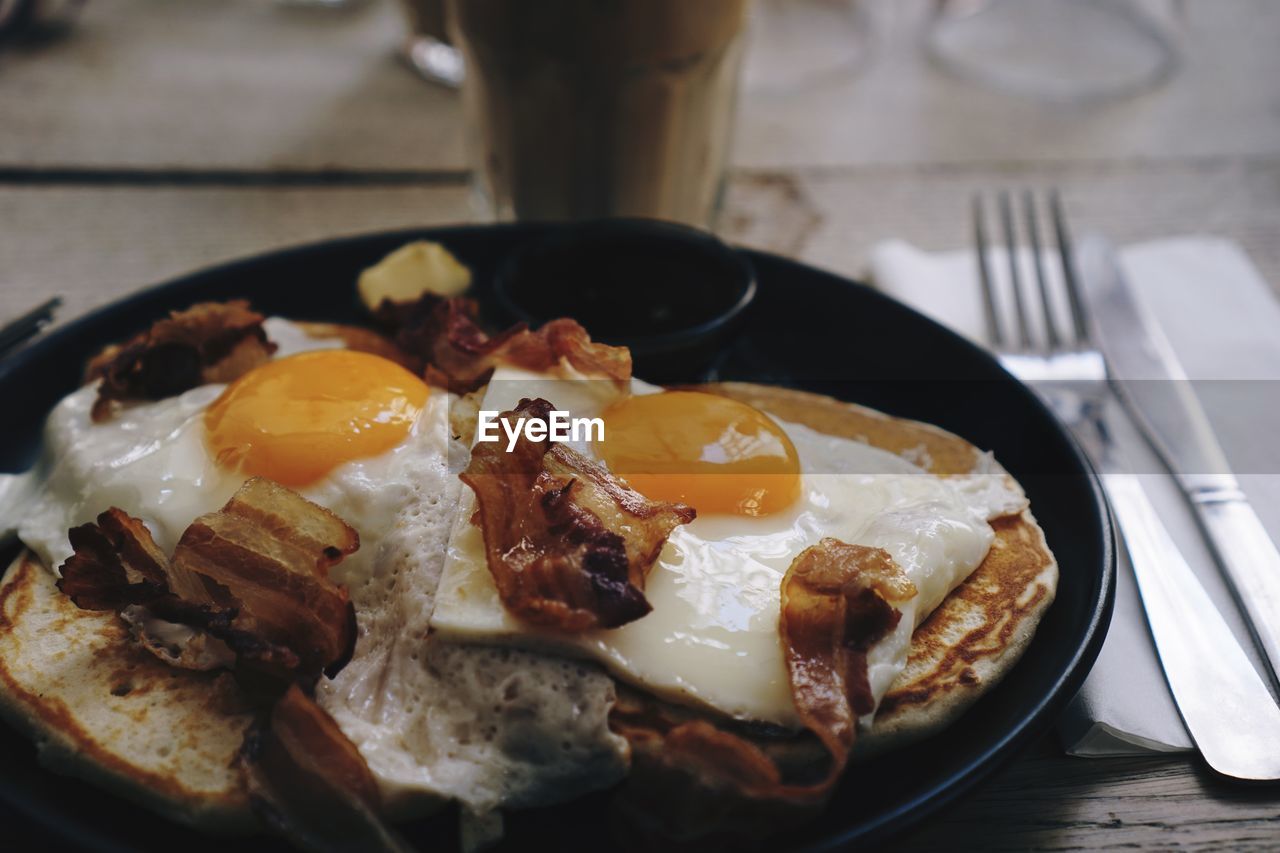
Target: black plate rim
1036, 721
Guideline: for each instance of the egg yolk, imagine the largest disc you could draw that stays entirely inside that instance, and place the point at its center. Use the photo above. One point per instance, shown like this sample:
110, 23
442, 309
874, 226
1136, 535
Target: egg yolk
713, 453
295, 419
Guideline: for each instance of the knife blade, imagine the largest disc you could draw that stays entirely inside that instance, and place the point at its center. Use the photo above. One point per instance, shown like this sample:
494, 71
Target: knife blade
1223, 702
1152, 385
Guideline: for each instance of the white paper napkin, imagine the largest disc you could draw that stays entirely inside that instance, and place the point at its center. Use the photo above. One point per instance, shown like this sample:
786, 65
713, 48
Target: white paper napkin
1224, 322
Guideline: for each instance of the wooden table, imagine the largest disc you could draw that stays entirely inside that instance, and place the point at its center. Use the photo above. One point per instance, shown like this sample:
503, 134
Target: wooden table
162, 135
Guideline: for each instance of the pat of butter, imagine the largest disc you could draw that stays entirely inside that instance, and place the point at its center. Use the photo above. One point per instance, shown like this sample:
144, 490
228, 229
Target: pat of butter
712, 637
409, 272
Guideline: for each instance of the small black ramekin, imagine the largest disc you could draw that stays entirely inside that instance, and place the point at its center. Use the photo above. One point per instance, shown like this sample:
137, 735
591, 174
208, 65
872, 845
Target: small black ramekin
672, 294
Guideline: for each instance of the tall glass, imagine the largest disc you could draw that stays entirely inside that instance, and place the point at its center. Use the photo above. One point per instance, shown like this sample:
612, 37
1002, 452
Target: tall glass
581, 109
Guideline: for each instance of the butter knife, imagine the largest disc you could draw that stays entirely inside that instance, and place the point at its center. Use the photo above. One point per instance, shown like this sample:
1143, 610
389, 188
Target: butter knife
1154, 389
1223, 702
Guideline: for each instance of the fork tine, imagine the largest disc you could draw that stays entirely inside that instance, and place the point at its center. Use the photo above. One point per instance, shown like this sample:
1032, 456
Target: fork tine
1066, 253
984, 274
1011, 243
1046, 301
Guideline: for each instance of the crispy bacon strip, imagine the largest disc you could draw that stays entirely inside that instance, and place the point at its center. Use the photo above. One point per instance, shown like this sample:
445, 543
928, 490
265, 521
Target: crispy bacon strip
308, 782
271, 549
837, 601
692, 779
208, 342
249, 585
253, 575
116, 564
446, 334
566, 340
697, 784
567, 543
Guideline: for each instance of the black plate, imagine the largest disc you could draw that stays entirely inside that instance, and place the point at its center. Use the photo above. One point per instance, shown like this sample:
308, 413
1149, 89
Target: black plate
808, 329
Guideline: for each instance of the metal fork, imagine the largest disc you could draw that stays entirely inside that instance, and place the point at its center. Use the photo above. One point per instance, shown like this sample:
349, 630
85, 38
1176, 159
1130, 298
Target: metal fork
1226, 706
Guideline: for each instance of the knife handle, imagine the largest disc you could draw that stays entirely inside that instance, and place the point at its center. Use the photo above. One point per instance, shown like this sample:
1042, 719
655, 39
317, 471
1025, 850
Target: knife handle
1223, 701
1250, 560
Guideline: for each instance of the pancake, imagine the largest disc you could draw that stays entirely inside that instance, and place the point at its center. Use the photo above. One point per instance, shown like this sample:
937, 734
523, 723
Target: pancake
102, 709
99, 707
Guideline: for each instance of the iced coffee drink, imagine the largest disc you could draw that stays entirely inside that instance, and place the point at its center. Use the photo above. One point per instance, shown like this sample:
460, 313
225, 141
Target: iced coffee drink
589, 108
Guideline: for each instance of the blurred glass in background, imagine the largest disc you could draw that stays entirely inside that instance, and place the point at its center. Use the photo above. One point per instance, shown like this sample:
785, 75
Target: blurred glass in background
794, 44
427, 46
578, 109
1057, 50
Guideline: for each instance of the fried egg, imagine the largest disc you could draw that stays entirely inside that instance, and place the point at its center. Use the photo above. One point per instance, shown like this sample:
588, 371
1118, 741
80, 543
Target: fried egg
764, 490
345, 429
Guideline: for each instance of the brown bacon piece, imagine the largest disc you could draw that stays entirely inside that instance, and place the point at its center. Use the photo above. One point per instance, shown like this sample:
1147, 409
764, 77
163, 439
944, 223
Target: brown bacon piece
308, 782
565, 339
696, 785
567, 543
249, 585
116, 564
208, 342
837, 601
271, 549
253, 575
446, 334
693, 780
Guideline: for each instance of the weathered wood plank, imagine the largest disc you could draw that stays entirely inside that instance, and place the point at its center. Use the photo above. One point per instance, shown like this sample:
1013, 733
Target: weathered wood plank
1047, 801
254, 84
1129, 202
237, 84
94, 244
